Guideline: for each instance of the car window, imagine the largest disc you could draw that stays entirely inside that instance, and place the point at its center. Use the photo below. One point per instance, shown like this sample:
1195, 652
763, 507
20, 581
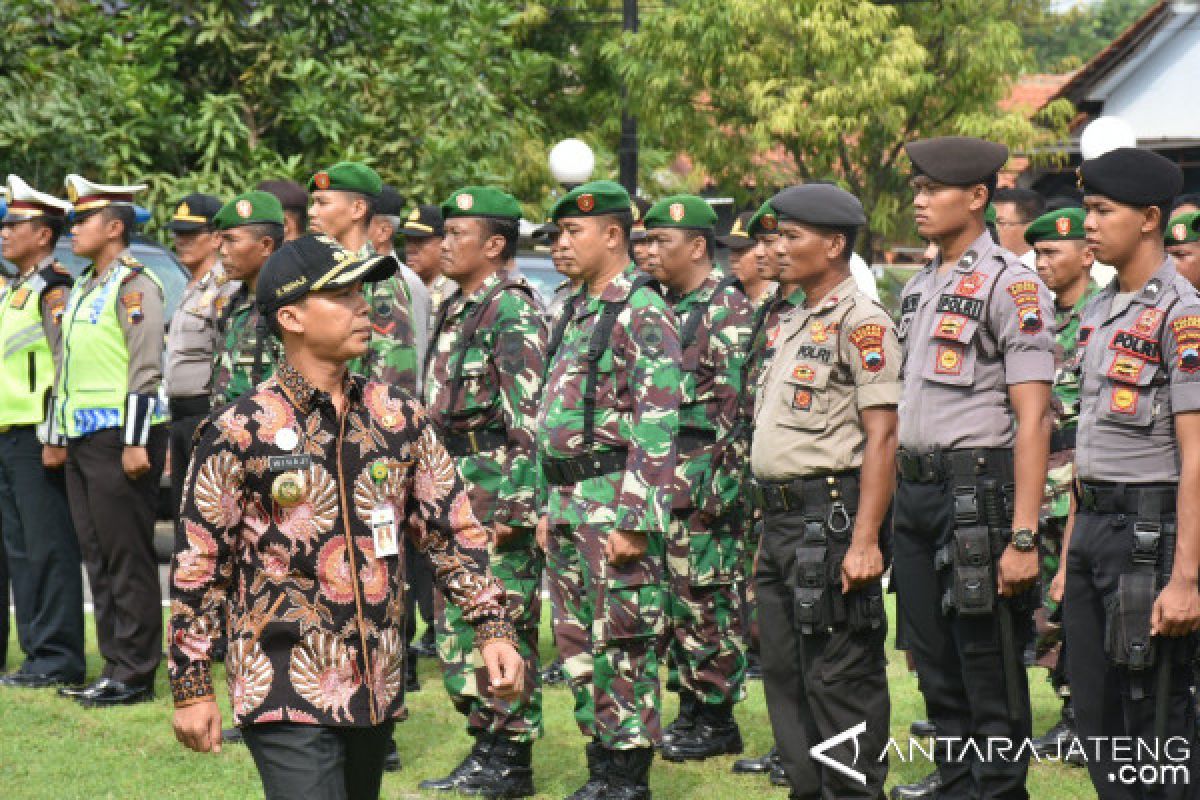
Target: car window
540, 272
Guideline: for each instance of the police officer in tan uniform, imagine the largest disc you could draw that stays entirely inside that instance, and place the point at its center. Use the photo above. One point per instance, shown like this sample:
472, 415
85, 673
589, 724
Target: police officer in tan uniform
823, 458
1131, 607
977, 331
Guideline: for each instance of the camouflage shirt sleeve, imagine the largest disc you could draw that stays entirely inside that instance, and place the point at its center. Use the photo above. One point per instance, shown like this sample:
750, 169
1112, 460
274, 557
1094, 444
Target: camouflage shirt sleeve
392, 357
519, 364
732, 317
652, 357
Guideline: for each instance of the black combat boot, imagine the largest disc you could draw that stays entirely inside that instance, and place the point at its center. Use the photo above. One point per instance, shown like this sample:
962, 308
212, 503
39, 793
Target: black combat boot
473, 763
629, 774
597, 782
927, 787
1056, 743
685, 722
715, 733
507, 773
757, 766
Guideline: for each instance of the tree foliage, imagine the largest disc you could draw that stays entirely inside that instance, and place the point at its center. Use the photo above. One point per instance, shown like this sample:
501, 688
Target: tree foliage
1061, 41
826, 89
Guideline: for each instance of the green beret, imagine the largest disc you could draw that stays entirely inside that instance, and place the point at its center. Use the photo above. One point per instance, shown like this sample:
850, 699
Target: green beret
957, 160
592, 200
481, 201
1065, 223
765, 220
1132, 177
249, 208
989, 216
1184, 228
681, 211
348, 176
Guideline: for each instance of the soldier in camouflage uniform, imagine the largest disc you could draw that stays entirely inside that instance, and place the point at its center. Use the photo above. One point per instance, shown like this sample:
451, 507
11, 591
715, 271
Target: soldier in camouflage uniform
606, 428
704, 548
1064, 264
343, 202
251, 229
482, 380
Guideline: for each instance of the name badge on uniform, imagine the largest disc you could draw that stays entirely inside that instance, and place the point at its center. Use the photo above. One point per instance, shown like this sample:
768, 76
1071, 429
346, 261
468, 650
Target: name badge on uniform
383, 529
286, 463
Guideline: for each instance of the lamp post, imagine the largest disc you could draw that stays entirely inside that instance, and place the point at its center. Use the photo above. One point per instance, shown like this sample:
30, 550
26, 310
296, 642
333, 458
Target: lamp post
571, 162
627, 152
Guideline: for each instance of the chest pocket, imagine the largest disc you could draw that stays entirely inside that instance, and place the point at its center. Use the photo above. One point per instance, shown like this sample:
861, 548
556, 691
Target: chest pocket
953, 350
192, 321
477, 392
606, 380
1130, 390
804, 397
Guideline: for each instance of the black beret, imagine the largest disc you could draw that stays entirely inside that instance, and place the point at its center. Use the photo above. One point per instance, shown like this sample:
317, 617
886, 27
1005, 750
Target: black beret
424, 222
390, 203
1132, 176
821, 204
957, 160
291, 195
194, 213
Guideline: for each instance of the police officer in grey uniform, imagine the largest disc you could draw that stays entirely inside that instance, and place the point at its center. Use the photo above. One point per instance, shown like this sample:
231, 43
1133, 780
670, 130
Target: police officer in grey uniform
1134, 550
974, 437
823, 457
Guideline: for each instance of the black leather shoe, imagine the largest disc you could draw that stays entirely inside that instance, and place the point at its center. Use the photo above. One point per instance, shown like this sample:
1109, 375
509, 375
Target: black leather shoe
117, 694
78, 692
473, 763
232, 736
391, 762
34, 680
778, 776
756, 766
715, 733
922, 728
597, 782
685, 722
927, 787
507, 774
1057, 742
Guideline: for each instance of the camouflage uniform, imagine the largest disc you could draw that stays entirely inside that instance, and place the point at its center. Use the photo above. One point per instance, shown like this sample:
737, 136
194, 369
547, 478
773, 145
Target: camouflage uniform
501, 370
704, 548
248, 351
609, 619
392, 357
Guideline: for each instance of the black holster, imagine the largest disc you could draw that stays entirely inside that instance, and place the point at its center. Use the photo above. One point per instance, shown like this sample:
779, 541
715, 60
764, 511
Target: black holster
820, 605
972, 589
1128, 611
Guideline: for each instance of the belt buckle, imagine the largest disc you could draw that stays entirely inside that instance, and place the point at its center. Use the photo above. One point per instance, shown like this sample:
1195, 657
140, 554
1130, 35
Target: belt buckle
1146, 536
474, 442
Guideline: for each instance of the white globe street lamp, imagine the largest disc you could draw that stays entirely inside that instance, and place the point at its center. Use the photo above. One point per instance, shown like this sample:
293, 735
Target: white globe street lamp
571, 162
1104, 134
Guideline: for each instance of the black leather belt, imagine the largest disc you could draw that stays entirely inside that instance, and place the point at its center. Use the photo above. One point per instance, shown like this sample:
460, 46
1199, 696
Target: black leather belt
806, 493
1122, 498
567, 471
189, 406
473, 443
692, 439
940, 466
1063, 439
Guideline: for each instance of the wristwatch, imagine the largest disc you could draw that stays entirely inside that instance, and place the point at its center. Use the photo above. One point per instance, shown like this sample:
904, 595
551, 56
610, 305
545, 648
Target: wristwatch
1024, 540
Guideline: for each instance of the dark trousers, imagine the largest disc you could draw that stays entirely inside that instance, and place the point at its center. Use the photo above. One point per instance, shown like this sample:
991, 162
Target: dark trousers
114, 518
1100, 550
818, 686
317, 762
43, 559
959, 666
4, 611
182, 429
419, 576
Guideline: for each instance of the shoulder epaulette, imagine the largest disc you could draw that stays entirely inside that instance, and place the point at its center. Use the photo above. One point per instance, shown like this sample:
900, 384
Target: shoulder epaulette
134, 266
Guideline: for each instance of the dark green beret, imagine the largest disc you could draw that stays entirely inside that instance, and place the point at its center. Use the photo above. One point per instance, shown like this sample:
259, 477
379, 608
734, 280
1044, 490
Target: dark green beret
1065, 223
1184, 228
348, 176
481, 201
764, 220
957, 160
820, 204
592, 200
1132, 177
681, 211
738, 237
989, 216
249, 208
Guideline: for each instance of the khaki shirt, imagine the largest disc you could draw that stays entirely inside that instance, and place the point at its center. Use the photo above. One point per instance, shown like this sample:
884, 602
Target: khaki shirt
831, 361
1140, 365
192, 334
969, 334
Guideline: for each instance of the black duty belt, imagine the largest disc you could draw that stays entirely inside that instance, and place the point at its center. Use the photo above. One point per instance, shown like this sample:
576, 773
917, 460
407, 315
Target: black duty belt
941, 466
1123, 498
692, 439
189, 406
472, 443
1063, 439
567, 471
810, 494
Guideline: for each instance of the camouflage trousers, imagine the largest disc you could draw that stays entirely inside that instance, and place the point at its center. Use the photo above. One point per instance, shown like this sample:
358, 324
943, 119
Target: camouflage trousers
1048, 618
518, 565
608, 625
747, 594
705, 644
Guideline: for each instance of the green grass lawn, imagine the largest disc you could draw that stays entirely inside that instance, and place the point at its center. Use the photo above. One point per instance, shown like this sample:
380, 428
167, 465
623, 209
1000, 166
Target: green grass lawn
52, 748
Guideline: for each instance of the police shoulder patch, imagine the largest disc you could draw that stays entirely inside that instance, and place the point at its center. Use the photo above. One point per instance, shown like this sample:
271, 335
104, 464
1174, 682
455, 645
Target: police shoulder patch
868, 339
1186, 330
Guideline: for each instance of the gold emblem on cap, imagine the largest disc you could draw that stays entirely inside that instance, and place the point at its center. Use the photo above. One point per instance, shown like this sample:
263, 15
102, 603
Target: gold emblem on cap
72, 193
1062, 225
415, 215
288, 489
244, 208
677, 211
586, 202
737, 229
637, 212
464, 201
321, 180
1179, 231
183, 210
